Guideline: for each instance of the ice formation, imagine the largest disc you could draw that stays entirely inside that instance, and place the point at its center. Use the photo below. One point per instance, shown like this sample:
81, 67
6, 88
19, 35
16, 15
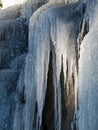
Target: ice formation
53, 85
49, 32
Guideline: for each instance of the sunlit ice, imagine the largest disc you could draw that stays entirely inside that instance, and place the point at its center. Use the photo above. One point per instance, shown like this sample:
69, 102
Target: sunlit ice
7, 3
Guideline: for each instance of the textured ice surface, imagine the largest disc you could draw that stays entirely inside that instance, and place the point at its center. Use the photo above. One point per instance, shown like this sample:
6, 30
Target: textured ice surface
88, 80
88, 75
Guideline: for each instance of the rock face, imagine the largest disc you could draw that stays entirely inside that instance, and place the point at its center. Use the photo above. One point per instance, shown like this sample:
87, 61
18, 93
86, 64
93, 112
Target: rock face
48, 66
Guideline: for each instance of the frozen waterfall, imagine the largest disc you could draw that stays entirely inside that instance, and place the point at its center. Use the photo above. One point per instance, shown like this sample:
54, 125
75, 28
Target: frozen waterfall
51, 31
48, 65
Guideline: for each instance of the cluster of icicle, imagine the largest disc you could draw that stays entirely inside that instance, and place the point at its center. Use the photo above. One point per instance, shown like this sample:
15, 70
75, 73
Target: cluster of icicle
49, 31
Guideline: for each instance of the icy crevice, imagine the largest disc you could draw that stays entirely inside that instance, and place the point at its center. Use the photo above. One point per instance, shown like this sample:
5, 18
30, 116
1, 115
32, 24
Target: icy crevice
48, 110
83, 31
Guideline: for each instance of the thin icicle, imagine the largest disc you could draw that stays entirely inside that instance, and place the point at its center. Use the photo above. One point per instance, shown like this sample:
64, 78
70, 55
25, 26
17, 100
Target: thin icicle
40, 53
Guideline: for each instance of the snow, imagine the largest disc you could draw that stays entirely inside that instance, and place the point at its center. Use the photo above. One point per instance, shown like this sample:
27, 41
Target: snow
7, 3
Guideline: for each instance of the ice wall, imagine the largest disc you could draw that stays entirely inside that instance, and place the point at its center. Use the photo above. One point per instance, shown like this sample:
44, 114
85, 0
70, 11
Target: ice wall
88, 82
88, 75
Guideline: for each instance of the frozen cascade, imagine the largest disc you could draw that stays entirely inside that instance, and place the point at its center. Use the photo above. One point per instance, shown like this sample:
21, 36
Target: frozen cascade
50, 30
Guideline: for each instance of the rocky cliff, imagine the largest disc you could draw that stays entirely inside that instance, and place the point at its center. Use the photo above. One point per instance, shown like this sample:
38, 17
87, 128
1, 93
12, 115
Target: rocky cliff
48, 66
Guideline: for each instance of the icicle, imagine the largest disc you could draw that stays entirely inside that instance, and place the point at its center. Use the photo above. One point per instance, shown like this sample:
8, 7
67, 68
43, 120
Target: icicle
63, 45
40, 51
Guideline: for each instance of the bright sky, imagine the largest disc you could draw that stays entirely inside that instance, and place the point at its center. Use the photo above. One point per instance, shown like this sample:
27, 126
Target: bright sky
7, 3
